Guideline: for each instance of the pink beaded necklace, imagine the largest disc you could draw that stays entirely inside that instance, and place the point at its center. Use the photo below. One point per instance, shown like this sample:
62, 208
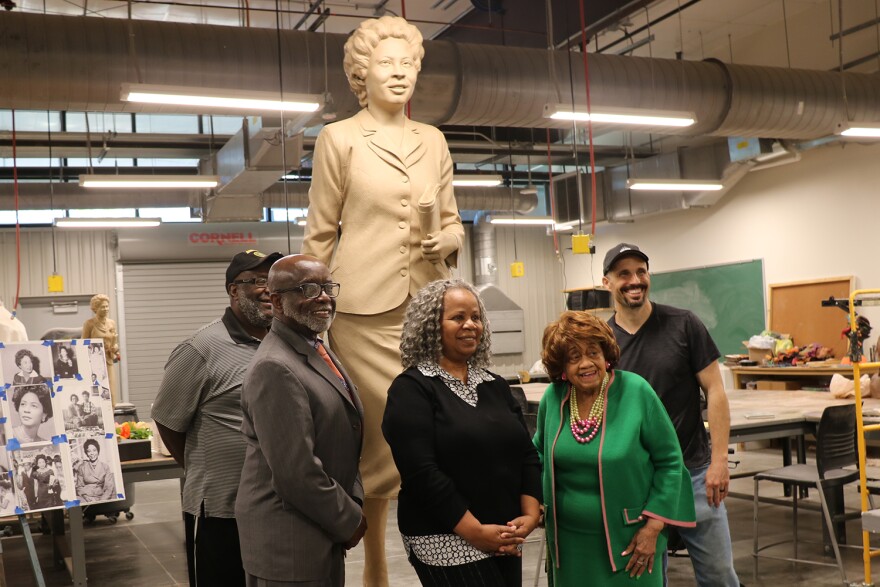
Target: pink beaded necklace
585, 430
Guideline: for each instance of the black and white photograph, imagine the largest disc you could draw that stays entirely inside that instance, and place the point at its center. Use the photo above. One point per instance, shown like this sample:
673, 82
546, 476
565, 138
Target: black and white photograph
37, 480
81, 408
100, 388
64, 360
26, 363
32, 412
96, 471
98, 362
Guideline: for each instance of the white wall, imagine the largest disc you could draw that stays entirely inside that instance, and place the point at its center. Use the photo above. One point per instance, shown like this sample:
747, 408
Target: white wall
86, 260
808, 220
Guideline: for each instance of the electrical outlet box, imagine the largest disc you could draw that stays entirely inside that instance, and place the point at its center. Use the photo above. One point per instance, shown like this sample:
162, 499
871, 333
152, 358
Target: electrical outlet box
517, 269
55, 283
580, 244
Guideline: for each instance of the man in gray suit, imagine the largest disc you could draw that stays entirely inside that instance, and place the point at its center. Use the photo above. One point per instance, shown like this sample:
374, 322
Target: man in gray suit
300, 497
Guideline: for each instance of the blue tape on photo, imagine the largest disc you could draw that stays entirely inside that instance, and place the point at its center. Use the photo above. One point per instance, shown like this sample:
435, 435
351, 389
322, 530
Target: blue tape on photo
19, 511
12, 444
57, 378
78, 377
2, 346
59, 439
73, 342
71, 504
86, 342
120, 495
2, 394
108, 435
52, 393
47, 343
3, 420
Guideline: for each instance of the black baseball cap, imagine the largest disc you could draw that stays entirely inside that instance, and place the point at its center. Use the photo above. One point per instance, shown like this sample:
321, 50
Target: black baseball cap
620, 251
247, 260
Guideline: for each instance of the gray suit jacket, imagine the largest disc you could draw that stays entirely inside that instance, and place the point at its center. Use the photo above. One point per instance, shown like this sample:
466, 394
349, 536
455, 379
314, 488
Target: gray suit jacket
296, 501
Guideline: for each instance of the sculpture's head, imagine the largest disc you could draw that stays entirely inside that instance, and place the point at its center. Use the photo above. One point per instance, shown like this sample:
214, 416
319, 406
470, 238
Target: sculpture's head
100, 305
390, 77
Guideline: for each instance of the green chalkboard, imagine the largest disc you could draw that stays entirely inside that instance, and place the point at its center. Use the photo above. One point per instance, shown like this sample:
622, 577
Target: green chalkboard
729, 299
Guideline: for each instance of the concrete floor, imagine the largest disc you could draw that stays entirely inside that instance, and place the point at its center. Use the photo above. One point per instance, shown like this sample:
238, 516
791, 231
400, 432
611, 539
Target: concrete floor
148, 550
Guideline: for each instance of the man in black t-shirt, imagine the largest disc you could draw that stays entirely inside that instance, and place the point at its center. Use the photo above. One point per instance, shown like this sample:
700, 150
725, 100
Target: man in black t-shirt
674, 352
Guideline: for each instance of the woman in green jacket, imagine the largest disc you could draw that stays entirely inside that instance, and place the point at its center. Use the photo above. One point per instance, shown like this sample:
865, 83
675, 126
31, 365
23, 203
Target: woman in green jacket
613, 476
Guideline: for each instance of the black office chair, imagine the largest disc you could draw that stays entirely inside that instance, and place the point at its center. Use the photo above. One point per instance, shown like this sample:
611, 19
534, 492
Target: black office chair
530, 416
835, 450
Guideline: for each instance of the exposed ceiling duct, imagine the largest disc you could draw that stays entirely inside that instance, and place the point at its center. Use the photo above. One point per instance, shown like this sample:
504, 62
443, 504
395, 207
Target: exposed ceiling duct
36, 196
68, 63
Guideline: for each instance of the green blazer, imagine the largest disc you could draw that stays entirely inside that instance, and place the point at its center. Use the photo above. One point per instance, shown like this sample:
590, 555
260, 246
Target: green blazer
641, 471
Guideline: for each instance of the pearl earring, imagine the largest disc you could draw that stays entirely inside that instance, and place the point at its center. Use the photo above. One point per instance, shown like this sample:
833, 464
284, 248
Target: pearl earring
607, 365
564, 377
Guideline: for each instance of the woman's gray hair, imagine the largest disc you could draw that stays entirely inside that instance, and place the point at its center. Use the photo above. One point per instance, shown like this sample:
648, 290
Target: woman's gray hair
420, 341
359, 47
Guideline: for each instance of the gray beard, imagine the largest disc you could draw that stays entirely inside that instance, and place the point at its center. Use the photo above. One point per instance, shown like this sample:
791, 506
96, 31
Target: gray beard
253, 314
308, 321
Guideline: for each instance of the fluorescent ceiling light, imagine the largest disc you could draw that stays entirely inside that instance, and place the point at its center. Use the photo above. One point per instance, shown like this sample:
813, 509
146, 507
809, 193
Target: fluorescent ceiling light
488, 181
148, 181
638, 116
220, 100
107, 222
859, 129
522, 220
565, 226
674, 185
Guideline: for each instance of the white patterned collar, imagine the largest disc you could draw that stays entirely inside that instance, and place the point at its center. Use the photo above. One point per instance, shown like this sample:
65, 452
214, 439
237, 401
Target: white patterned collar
466, 391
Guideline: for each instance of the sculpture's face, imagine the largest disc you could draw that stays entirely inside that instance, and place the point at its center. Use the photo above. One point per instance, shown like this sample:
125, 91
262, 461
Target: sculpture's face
103, 309
391, 75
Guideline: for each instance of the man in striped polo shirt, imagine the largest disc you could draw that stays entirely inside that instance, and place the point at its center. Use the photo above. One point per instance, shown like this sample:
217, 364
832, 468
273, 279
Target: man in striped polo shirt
198, 414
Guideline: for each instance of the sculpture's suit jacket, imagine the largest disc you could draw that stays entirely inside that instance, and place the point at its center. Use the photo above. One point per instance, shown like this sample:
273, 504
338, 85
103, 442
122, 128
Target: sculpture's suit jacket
372, 186
296, 501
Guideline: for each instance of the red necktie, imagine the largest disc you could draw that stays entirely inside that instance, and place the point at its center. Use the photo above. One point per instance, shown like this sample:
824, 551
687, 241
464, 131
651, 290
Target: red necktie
322, 352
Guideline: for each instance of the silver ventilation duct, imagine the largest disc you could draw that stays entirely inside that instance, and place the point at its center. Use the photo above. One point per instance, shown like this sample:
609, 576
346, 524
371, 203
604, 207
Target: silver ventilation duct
79, 63
506, 318
36, 196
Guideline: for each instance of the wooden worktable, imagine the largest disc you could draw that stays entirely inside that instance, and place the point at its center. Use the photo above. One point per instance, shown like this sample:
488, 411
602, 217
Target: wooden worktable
806, 375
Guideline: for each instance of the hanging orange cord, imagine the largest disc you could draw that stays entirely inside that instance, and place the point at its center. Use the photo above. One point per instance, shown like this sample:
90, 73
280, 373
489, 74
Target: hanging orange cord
550, 193
17, 223
589, 122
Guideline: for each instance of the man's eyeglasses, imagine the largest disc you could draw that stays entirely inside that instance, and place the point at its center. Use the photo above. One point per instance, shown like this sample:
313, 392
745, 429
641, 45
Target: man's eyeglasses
311, 291
258, 281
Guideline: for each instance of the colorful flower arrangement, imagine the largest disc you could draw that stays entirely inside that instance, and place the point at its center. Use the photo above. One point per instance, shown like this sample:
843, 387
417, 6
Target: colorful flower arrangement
134, 431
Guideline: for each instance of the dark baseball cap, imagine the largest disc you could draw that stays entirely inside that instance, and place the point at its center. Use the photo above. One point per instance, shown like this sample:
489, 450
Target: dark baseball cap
247, 260
620, 251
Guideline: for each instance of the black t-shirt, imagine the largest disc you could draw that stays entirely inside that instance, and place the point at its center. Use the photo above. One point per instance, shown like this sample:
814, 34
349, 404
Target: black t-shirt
668, 351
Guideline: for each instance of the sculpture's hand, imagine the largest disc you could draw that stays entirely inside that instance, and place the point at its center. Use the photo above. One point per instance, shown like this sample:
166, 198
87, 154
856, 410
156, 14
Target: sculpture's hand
437, 247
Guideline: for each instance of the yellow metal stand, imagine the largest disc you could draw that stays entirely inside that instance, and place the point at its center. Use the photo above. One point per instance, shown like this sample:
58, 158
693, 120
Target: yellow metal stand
856, 356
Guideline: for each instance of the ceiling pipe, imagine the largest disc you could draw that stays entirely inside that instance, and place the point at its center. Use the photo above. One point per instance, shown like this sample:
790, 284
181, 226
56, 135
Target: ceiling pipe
80, 63
36, 196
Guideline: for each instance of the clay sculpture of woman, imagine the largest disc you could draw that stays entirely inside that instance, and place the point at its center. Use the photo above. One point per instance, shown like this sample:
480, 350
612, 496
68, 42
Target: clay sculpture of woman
103, 327
369, 173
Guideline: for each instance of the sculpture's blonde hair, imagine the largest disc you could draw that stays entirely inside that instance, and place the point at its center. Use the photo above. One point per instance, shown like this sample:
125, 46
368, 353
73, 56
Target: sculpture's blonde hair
96, 301
364, 39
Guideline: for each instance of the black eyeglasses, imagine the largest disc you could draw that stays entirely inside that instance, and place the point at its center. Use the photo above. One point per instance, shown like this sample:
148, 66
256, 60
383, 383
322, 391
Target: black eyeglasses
311, 291
258, 281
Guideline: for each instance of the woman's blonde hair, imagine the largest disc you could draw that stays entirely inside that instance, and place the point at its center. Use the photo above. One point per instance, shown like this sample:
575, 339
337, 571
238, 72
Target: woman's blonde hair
359, 47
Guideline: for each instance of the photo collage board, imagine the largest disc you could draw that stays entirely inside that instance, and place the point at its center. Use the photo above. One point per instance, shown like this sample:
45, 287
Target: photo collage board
56, 427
